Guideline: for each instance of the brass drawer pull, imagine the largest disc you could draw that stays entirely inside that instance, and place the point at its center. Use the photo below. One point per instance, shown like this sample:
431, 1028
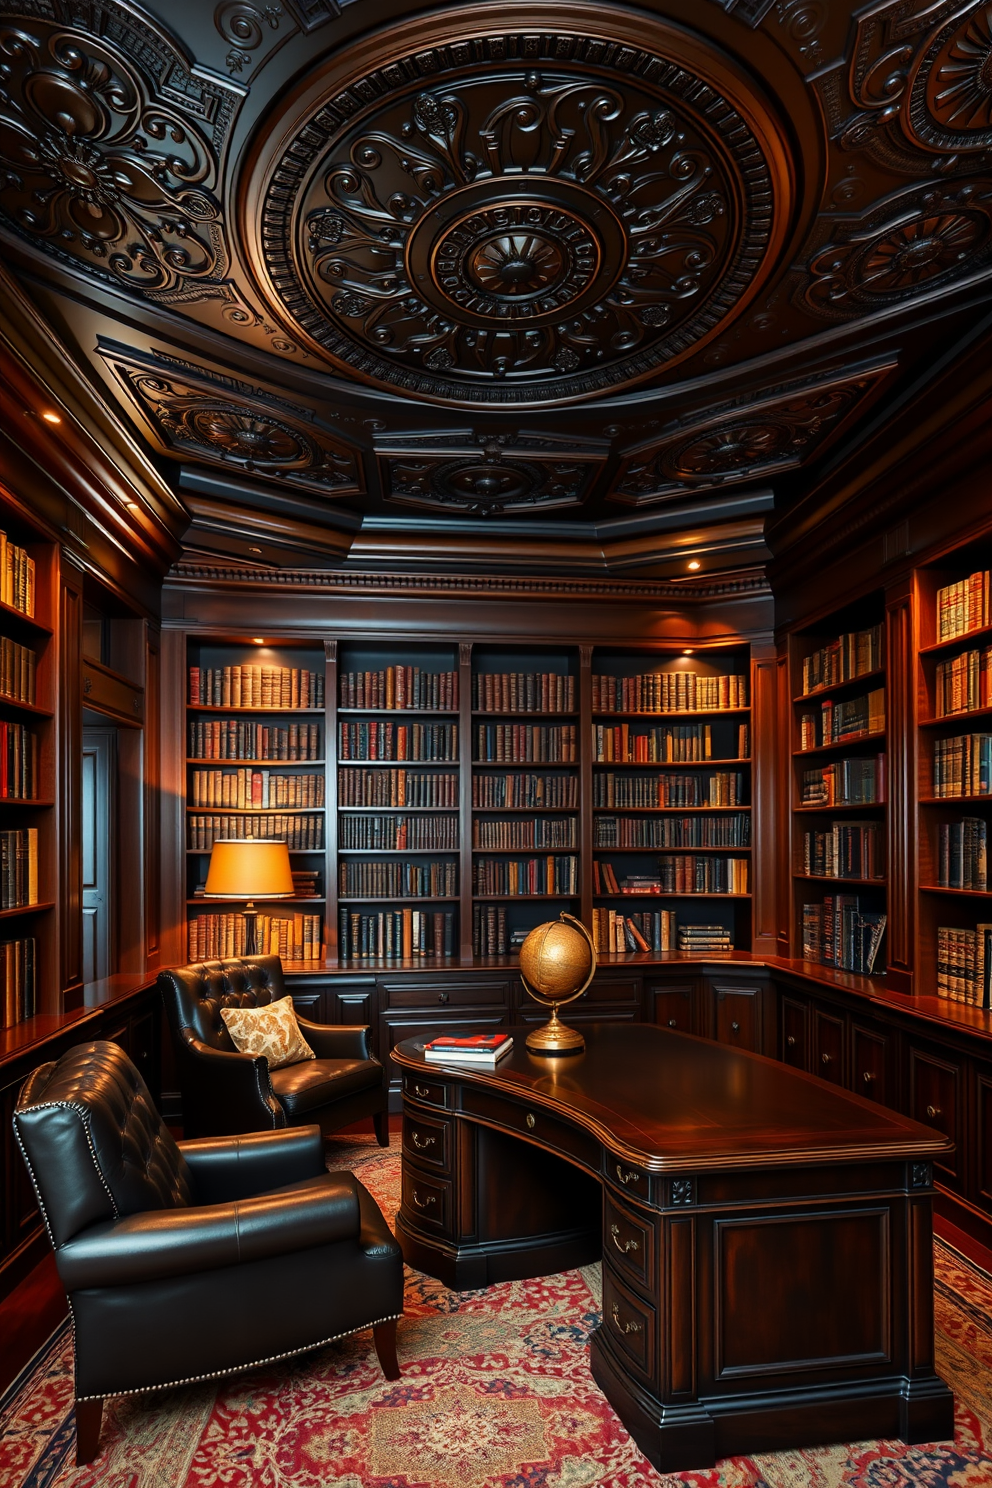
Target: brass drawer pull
628, 1245
531, 1121
826, 1058
625, 1327
791, 1040
421, 1142
735, 1028
442, 997
933, 1111
868, 1076
673, 1023
630, 1176
422, 1090
423, 1203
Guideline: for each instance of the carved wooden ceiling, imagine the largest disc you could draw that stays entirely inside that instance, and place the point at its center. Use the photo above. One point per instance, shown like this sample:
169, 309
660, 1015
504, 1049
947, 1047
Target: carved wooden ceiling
568, 283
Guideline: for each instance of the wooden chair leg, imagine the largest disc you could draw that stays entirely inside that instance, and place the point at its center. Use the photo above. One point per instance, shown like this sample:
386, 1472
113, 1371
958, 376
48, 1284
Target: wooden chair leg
89, 1415
384, 1336
381, 1123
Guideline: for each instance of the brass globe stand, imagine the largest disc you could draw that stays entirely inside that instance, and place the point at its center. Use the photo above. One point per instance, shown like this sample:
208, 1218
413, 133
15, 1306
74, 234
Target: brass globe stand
555, 1037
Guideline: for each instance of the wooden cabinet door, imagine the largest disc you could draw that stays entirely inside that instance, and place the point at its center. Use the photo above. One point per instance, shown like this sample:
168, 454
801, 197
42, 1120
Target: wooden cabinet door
828, 1047
738, 1017
795, 1033
671, 1007
983, 1137
871, 1064
936, 1088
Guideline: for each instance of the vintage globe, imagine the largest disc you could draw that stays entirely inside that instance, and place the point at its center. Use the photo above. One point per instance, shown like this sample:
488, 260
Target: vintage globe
557, 961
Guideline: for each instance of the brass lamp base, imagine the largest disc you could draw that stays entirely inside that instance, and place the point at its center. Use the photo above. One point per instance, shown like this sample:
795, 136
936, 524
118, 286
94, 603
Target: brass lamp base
555, 1037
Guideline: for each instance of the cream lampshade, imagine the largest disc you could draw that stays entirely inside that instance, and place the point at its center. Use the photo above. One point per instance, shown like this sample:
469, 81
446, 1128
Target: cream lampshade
249, 868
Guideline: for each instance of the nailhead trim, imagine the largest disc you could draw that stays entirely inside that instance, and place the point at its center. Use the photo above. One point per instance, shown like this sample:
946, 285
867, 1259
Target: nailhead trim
195, 1379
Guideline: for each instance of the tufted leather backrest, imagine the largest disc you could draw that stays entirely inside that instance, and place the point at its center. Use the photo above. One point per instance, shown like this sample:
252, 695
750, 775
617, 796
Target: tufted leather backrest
95, 1143
194, 995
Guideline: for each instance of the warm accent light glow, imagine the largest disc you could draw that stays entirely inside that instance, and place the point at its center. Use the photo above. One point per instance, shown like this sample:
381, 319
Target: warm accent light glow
258, 640
687, 651
51, 418
694, 563
132, 506
249, 868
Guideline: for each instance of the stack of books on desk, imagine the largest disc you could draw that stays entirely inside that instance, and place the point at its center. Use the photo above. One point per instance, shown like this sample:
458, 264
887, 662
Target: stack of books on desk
479, 1048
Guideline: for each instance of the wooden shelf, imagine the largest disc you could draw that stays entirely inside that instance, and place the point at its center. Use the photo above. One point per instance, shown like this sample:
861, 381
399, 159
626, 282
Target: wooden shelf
264, 906
398, 713
676, 713
668, 764
985, 800
250, 712
483, 714
408, 901
250, 810
666, 850
955, 718
664, 810
857, 806
670, 894
27, 622
6, 801
822, 692
31, 708
874, 883
839, 745
246, 764
394, 764
964, 642
22, 909
204, 852
518, 898
405, 810
394, 852
962, 893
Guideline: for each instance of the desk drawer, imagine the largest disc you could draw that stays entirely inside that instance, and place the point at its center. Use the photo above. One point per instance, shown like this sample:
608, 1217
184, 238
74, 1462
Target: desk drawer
532, 1121
630, 1323
446, 994
629, 1241
632, 1180
427, 1200
422, 1088
427, 1141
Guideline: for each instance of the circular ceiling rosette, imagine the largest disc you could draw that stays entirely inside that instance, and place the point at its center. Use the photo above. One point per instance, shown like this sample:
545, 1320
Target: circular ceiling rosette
517, 217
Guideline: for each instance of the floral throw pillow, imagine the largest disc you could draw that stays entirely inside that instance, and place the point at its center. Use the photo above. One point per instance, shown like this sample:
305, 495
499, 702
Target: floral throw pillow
272, 1031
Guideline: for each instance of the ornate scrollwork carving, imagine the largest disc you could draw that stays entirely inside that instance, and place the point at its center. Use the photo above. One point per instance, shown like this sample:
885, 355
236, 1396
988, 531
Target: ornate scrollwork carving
901, 247
493, 475
744, 441
109, 148
241, 25
515, 217
221, 421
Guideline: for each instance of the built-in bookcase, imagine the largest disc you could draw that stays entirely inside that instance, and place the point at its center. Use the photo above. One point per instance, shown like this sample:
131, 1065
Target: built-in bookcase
29, 971
671, 835
256, 749
837, 670
954, 713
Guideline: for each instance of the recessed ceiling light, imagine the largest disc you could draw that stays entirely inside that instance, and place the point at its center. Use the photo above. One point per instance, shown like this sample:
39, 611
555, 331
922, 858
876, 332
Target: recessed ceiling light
52, 418
254, 550
258, 640
694, 563
687, 651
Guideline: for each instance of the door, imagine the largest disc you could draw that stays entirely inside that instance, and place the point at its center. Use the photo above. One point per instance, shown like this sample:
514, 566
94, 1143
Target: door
99, 768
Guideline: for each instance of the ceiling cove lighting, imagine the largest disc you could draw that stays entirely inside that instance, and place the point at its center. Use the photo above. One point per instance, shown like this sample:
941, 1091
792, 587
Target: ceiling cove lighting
694, 564
52, 418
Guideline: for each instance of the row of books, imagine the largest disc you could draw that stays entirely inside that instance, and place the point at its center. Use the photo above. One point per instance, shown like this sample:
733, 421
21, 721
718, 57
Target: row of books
681, 874
525, 792
18, 762
295, 937
842, 931
845, 850
378, 740
400, 687
846, 782
671, 744
962, 766
962, 861
19, 868
252, 686
651, 930
964, 683
651, 792
17, 576
398, 833
526, 743
540, 832
964, 964
852, 655
842, 722
18, 665
256, 789
398, 880
489, 930
963, 606
514, 878
672, 831
301, 833
19, 980
242, 739
413, 788
668, 692
523, 692
396, 934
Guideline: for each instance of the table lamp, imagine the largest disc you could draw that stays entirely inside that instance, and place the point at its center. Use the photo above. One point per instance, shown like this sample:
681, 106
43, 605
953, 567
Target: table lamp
249, 868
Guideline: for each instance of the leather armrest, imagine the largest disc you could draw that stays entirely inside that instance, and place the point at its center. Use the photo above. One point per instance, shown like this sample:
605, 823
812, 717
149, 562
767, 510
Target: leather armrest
238, 1083
181, 1242
226, 1168
337, 1040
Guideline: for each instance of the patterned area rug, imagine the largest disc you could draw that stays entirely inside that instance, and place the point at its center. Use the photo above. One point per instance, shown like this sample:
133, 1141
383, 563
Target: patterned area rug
495, 1393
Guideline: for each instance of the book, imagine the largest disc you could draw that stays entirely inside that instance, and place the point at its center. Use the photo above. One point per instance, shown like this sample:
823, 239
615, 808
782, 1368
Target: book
481, 1048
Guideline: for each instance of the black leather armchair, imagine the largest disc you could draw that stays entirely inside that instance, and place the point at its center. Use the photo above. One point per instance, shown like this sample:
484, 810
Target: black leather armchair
226, 1092
174, 1256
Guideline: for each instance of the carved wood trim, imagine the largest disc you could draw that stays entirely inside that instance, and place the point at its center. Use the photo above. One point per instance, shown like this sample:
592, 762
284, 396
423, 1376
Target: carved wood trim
901, 867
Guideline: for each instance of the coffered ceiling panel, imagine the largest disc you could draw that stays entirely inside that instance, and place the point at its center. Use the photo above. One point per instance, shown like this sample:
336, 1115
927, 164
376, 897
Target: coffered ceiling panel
524, 268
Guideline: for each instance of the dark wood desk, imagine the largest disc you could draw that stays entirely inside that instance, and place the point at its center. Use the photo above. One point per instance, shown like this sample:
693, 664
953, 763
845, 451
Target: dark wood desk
766, 1238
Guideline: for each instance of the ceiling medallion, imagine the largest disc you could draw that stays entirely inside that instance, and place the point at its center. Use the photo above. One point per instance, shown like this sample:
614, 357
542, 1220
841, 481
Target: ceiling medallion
517, 217
489, 475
